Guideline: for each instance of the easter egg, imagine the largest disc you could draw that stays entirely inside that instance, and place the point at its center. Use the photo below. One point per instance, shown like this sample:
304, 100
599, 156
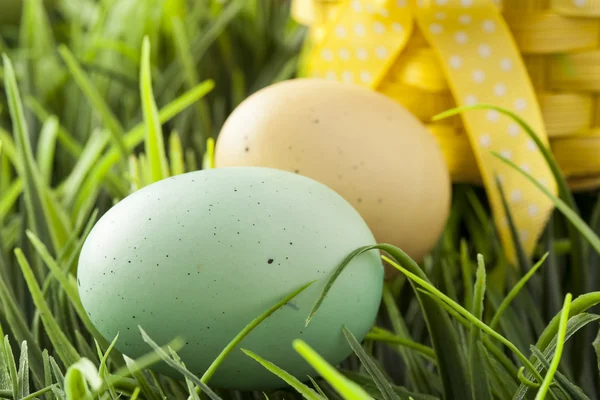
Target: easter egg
202, 254
362, 144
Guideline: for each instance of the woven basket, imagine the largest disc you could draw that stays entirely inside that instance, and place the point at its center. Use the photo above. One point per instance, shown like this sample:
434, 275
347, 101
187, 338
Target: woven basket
560, 44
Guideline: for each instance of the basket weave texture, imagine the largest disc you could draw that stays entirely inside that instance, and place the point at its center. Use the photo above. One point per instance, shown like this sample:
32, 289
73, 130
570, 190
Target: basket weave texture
560, 45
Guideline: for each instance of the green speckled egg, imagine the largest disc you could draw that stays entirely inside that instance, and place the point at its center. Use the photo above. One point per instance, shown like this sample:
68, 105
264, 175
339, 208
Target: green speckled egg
202, 254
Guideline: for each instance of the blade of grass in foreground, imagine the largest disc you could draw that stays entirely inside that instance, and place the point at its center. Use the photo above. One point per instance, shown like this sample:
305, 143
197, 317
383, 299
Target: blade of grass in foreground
95, 99
576, 322
173, 364
36, 197
546, 153
23, 373
344, 386
521, 256
382, 383
63, 347
291, 380
46, 148
92, 151
382, 335
470, 317
442, 333
176, 154
12, 367
563, 207
480, 385
366, 382
69, 289
417, 372
142, 382
154, 145
562, 330
515, 291
87, 193
561, 381
581, 277
248, 328
317, 387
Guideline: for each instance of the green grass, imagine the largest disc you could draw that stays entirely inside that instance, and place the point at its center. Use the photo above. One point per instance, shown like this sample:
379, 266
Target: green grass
104, 97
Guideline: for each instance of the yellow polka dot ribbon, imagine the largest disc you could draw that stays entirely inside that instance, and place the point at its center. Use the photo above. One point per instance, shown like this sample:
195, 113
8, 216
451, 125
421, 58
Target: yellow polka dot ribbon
361, 41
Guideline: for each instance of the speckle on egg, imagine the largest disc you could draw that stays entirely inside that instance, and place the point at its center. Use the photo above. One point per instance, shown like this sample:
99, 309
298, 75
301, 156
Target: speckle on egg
355, 156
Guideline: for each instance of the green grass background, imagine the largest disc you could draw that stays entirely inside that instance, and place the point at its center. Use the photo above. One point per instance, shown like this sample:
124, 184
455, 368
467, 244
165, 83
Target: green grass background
99, 98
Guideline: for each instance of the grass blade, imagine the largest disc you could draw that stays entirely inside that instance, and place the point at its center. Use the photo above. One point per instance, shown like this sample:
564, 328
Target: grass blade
466, 314
480, 385
36, 198
562, 330
382, 383
575, 323
95, 99
62, 345
176, 154
417, 372
66, 140
154, 145
503, 385
142, 382
522, 257
561, 381
366, 382
91, 152
9, 197
247, 329
5, 377
515, 291
23, 373
133, 138
442, 332
208, 160
46, 148
68, 287
118, 377
58, 375
77, 378
183, 51
382, 335
15, 318
47, 372
12, 367
317, 388
291, 380
104, 358
465, 267
563, 207
581, 279
339, 382
167, 359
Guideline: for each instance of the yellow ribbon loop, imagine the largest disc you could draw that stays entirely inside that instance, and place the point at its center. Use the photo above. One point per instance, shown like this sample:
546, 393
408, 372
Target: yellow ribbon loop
461, 52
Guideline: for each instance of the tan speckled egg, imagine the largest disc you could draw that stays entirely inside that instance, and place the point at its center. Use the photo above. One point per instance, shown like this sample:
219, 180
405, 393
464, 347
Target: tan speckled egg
365, 146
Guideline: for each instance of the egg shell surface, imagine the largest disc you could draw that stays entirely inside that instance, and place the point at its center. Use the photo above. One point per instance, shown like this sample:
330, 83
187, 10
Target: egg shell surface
200, 255
362, 144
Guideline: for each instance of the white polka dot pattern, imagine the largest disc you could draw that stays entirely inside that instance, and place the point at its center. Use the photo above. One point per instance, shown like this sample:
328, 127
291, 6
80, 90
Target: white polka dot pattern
363, 39
482, 65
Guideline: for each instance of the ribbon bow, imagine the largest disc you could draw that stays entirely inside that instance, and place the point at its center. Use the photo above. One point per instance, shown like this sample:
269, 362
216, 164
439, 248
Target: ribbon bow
363, 42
